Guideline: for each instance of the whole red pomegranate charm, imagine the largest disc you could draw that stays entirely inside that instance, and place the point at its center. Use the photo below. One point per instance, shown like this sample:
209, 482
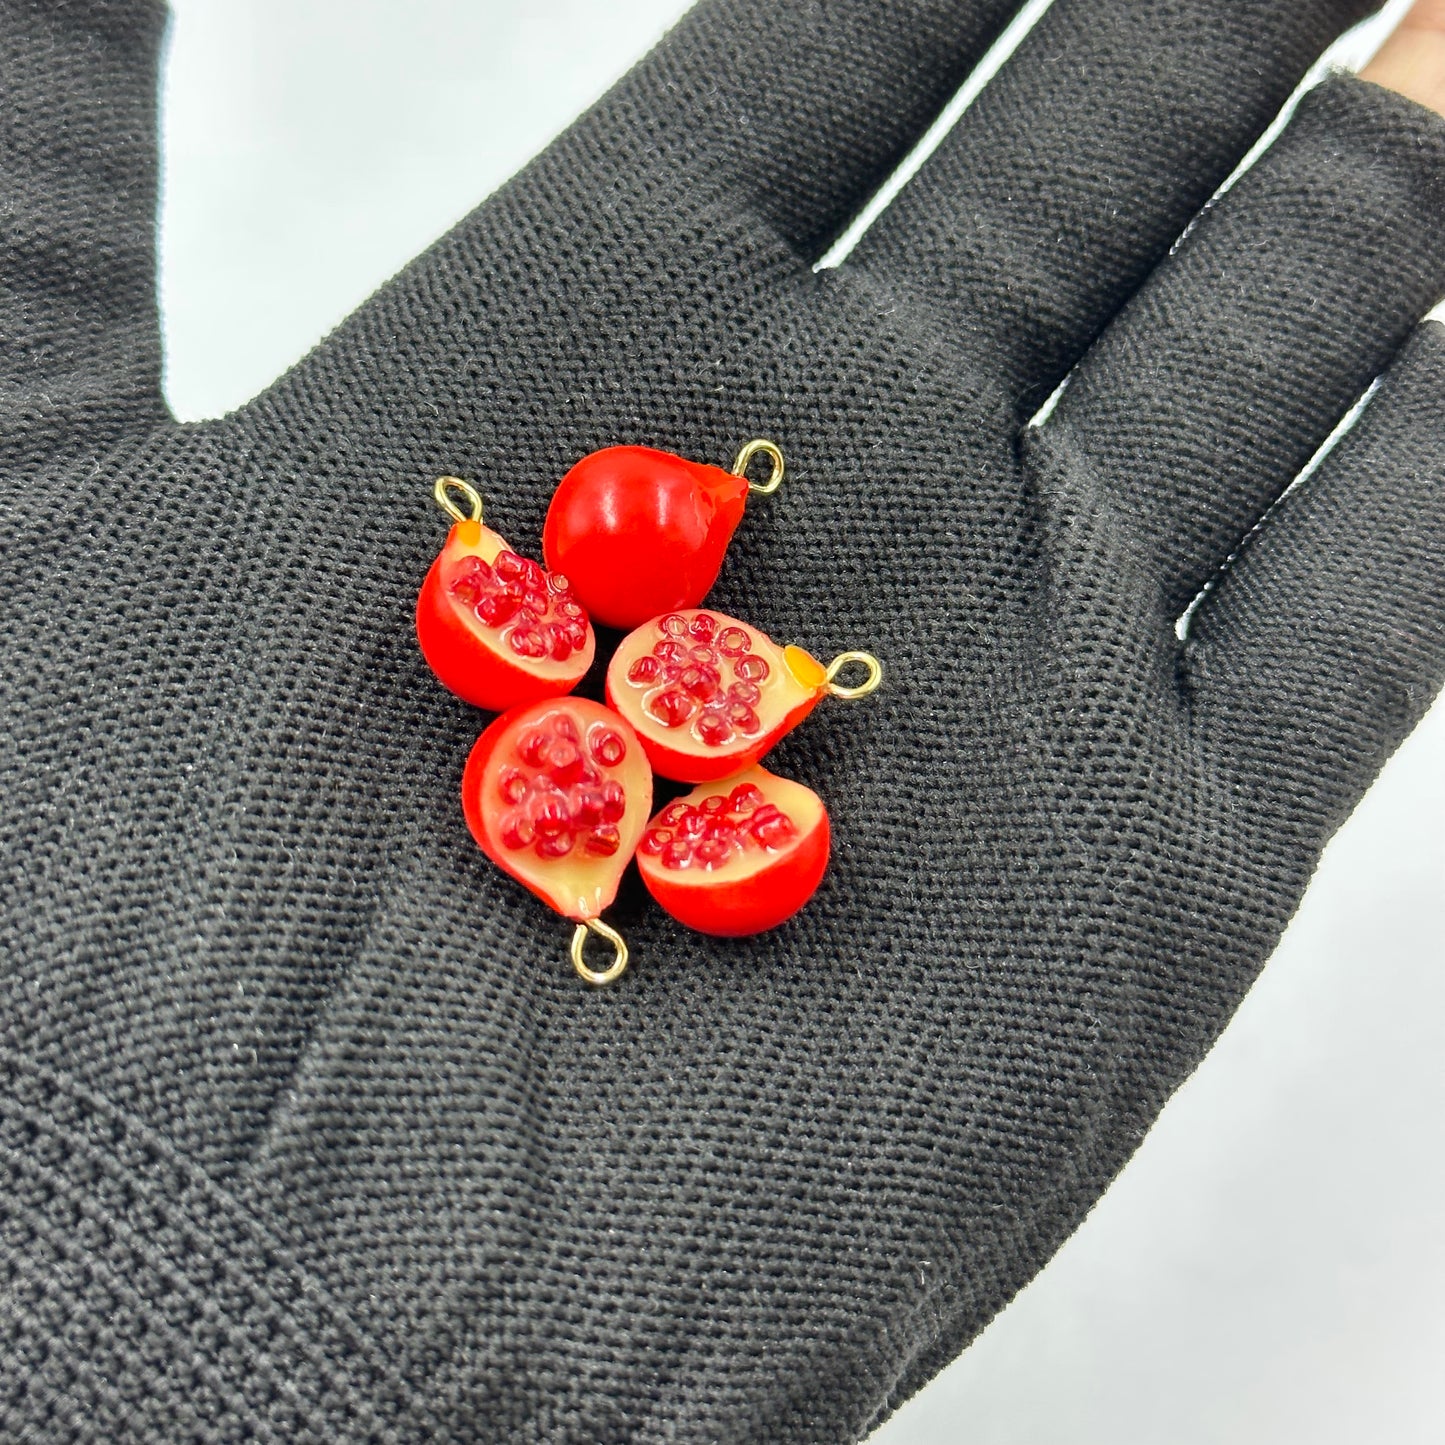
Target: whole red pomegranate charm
495, 627
709, 695
736, 857
640, 532
557, 794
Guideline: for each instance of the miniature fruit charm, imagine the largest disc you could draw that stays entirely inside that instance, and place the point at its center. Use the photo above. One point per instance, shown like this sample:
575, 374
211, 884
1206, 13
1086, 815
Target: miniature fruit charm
642, 532
557, 794
494, 627
709, 695
738, 856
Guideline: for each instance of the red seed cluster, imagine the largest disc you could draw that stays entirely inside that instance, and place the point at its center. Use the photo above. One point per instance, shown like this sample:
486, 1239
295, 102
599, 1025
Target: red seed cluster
557, 793
718, 829
533, 609
700, 675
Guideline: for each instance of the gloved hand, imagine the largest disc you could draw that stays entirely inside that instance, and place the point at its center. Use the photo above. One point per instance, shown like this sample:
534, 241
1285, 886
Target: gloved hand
309, 1132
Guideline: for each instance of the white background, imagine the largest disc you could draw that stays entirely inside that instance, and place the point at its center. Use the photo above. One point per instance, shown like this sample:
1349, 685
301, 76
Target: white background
1268, 1270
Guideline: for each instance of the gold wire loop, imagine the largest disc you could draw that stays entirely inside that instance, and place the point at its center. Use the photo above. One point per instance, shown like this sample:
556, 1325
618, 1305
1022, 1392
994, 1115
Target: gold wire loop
443, 493
773, 453
846, 659
598, 976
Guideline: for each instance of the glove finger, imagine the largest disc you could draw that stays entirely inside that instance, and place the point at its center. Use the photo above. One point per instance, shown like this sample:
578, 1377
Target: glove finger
1325, 640
1230, 368
1083, 160
77, 244
803, 109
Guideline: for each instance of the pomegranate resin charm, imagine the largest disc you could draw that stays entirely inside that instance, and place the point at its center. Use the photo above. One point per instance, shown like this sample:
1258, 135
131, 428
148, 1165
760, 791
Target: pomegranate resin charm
642, 532
557, 793
494, 627
709, 695
739, 856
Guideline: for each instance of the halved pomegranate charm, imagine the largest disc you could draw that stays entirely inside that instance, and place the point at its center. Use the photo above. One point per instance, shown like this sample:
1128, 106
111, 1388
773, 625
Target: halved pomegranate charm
557, 794
494, 627
641, 531
739, 856
709, 695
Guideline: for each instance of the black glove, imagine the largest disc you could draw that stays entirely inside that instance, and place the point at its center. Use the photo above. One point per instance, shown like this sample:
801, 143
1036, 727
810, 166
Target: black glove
309, 1132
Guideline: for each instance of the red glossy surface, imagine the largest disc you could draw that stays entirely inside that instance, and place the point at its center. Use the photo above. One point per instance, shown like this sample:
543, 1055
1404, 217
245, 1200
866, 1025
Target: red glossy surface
557, 794
739, 856
639, 532
494, 628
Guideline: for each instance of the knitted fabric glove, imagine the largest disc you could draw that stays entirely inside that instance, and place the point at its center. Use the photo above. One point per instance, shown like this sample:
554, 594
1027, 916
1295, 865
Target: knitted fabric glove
307, 1130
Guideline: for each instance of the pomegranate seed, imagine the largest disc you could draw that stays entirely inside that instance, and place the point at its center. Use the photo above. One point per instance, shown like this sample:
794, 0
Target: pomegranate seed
607, 747
533, 747
585, 806
614, 801
743, 718
528, 642
557, 846
604, 841
715, 804
713, 852
654, 841
751, 669
516, 829
773, 832
559, 644
533, 576
671, 707
564, 727
467, 591
673, 625
720, 828
550, 818
714, 729
745, 797
538, 603
564, 762
673, 814
677, 854
497, 608
670, 650
567, 608
704, 655
468, 566
644, 671
508, 566
692, 827
745, 692
733, 642
576, 633
512, 784
559, 584
701, 682
527, 618
703, 626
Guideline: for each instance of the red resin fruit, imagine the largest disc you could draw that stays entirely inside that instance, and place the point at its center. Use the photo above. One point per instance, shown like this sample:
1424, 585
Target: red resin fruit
709, 695
497, 629
641, 532
738, 856
557, 794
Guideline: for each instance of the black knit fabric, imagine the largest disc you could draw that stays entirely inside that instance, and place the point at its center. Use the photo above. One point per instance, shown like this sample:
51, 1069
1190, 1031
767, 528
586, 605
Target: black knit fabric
308, 1132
